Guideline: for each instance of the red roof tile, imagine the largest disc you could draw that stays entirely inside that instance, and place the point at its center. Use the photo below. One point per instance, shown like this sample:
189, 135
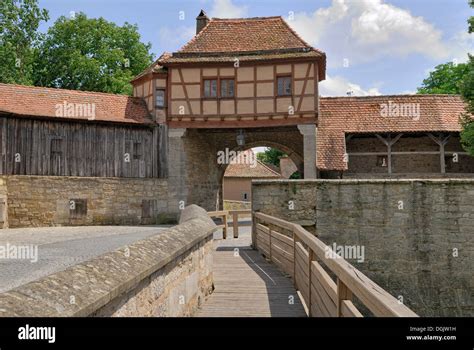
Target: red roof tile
243, 166
341, 115
221, 40
244, 34
29, 101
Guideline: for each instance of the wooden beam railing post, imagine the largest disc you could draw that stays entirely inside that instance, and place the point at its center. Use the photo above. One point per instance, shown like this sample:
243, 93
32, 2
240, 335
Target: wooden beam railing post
294, 258
224, 230
270, 241
337, 295
235, 224
310, 262
343, 293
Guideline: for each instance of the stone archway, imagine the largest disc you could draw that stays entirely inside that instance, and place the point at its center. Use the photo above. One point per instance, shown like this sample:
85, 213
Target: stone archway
194, 173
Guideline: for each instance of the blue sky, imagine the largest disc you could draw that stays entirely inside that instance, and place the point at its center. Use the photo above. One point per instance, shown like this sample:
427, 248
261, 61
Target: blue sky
372, 46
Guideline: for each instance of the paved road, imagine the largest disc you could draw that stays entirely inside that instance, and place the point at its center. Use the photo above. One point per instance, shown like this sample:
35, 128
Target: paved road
61, 247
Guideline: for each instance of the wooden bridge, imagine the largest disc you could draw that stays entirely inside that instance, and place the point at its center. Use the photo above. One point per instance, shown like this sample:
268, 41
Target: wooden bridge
282, 270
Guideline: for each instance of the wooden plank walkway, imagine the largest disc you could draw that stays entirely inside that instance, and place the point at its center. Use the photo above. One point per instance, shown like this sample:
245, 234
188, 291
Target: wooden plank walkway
246, 285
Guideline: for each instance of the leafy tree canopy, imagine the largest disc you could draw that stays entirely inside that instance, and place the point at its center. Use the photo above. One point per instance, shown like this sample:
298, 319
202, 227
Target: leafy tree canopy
19, 21
91, 54
270, 156
444, 79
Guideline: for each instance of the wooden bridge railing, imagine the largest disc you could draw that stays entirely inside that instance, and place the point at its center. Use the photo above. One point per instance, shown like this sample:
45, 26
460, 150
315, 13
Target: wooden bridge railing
224, 215
300, 254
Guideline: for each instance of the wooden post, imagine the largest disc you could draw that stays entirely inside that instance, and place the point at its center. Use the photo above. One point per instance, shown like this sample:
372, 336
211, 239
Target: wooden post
343, 293
224, 230
441, 141
389, 142
254, 231
270, 241
235, 224
310, 262
294, 258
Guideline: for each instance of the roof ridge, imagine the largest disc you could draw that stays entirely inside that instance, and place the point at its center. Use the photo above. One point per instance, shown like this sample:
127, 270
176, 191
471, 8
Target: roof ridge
385, 96
258, 18
268, 168
32, 87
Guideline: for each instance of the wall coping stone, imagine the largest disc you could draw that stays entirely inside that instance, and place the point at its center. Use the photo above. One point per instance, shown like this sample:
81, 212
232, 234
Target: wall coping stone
96, 282
365, 181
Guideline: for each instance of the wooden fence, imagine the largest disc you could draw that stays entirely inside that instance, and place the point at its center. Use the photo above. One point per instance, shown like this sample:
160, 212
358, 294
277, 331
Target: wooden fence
311, 263
225, 214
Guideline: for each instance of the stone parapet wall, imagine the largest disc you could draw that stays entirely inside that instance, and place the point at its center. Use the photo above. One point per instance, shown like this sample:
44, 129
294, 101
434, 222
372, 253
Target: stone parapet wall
35, 201
168, 274
418, 235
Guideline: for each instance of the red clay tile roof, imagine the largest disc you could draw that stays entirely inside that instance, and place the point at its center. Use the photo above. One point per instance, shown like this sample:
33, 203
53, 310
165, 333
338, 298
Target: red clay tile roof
155, 67
29, 101
249, 39
243, 168
244, 34
342, 115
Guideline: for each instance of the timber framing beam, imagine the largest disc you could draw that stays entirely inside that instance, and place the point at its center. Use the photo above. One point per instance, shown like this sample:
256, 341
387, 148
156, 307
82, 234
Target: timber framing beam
389, 142
441, 140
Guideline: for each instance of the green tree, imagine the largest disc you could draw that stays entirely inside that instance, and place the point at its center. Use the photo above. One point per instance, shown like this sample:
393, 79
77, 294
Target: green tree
444, 79
270, 156
19, 21
91, 54
467, 92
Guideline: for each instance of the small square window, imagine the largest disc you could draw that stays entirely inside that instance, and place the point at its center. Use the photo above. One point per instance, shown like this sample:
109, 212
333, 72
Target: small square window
137, 150
210, 88
160, 98
284, 86
227, 88
382, 161
245, 196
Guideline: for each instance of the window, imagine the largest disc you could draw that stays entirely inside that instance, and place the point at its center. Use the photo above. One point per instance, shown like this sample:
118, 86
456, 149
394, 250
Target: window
56, 156
137, 150
160, 98
56, 147
210, 88
382, 161
245, 196
227, 88
284, 86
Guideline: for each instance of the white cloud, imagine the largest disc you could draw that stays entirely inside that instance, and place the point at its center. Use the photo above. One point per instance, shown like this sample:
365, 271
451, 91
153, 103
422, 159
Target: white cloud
366, 30
226, 9
339, 86
174, 38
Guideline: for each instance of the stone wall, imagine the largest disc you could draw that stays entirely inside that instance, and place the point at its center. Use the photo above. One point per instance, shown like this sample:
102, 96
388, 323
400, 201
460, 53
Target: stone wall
168, 274
54, 201
418, 235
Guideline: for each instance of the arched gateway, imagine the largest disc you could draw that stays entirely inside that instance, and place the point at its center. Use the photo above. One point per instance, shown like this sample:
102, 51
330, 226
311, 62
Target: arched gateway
229, 89
237, 84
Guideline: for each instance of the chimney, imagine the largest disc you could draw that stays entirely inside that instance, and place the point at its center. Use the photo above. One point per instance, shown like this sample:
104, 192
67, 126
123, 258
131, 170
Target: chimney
201, 21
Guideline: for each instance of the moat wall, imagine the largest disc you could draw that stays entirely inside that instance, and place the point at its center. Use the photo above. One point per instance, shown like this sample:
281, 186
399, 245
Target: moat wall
418, 235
